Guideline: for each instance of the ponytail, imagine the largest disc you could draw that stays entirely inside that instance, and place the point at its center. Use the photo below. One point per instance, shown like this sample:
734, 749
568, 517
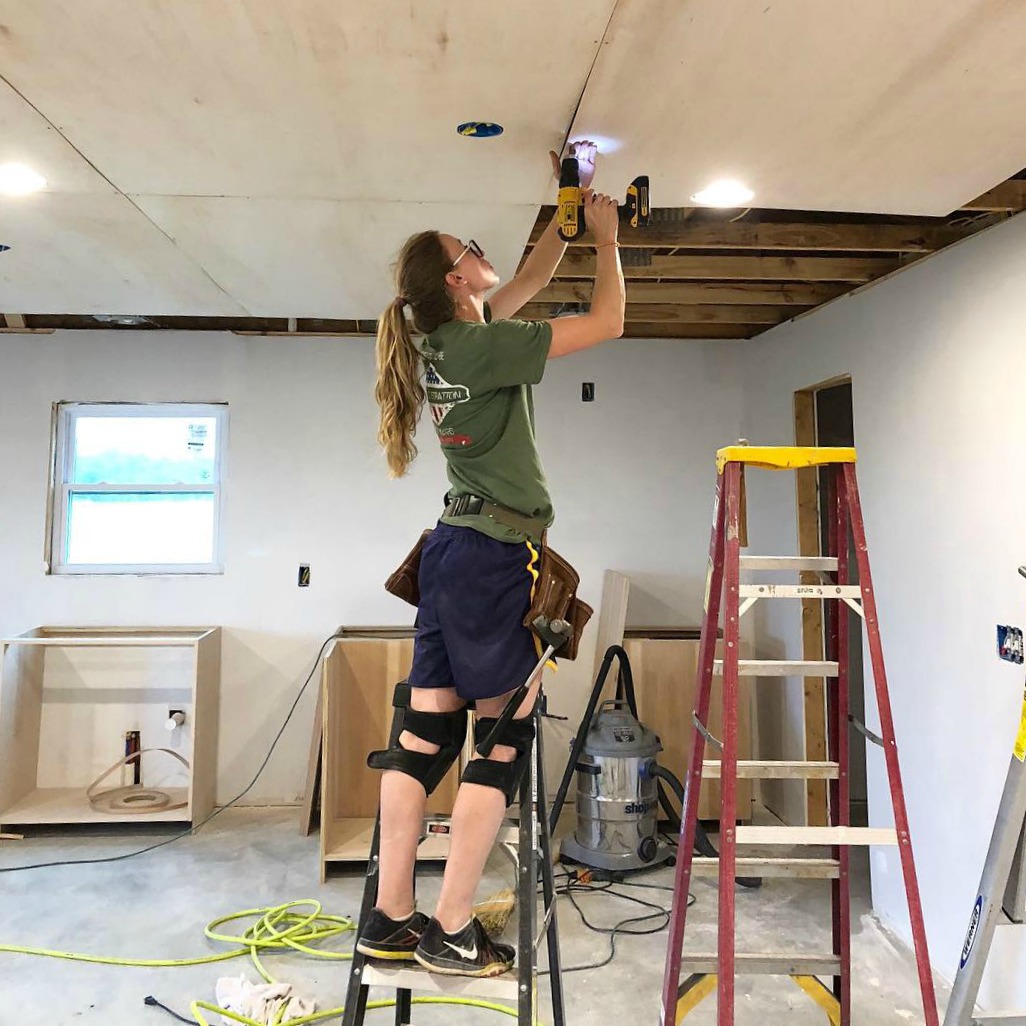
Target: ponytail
399, 391
420, 277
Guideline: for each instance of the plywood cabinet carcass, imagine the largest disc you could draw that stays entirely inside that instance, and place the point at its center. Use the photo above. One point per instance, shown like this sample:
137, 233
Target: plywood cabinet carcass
358, 680
69, 694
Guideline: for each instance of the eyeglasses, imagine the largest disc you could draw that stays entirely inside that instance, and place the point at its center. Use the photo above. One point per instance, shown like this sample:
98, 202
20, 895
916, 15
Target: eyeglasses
471, 247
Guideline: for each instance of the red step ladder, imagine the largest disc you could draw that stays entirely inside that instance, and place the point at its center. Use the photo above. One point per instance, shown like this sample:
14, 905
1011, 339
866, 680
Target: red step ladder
717, 970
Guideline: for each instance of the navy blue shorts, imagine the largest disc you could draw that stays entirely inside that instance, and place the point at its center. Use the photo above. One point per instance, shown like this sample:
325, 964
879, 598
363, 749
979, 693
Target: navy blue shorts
474, 594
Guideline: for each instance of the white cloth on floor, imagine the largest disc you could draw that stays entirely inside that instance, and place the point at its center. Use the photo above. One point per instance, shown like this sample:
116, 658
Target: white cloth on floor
259, 1001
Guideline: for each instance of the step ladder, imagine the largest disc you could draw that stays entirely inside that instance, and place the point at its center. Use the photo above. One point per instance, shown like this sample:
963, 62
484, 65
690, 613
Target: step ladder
529, 843
716, 970
999, 897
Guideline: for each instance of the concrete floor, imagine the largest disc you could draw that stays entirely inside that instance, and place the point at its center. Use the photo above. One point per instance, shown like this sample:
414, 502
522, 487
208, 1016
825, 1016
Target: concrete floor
156, 906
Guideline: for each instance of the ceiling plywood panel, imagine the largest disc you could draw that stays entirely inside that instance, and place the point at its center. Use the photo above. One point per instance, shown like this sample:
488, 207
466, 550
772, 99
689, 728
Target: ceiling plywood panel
89, 253
323, 258
27, 138
310, 99
909, 107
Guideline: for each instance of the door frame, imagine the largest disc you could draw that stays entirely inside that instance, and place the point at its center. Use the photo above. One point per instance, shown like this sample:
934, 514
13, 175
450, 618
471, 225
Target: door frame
813, 638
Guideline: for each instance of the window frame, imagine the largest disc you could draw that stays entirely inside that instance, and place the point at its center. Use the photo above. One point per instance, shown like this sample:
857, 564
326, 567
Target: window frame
62, 450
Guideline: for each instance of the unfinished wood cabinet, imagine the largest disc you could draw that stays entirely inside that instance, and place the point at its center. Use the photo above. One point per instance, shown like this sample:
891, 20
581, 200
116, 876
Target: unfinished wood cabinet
68, 694
358, 679
664, 662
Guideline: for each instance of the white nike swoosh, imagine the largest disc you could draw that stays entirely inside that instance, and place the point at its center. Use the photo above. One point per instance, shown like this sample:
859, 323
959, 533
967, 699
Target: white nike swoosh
468, 953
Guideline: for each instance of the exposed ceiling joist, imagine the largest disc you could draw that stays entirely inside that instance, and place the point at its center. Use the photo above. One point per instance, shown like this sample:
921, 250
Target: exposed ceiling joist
712, 267
676, 313
793, 236
702, 293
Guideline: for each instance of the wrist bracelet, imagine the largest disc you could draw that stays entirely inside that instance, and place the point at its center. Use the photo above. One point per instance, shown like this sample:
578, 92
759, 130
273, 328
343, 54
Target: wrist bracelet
602, 244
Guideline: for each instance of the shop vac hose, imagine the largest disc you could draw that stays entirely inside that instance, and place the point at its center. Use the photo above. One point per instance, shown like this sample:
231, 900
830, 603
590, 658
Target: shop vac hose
702, 842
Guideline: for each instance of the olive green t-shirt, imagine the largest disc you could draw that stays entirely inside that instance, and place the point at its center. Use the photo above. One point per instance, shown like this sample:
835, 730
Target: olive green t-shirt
478, 380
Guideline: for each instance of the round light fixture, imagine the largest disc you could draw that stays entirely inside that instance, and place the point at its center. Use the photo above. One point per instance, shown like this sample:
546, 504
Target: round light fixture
726, 192
19, 180
479, 129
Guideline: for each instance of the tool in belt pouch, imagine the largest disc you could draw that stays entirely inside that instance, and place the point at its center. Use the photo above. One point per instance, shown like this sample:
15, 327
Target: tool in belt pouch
555, 598
555, 592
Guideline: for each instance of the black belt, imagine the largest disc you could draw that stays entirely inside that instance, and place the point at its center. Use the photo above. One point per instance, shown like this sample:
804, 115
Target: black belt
475, 505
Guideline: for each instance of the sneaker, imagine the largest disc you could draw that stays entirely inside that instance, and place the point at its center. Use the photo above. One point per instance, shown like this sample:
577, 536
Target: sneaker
469, 952
394, 939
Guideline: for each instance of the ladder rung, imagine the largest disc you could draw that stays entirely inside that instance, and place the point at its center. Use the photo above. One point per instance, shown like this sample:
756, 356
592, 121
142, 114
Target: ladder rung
749, 770
808, 869
781, 668
803, 591
1005, 1018
770, 963
816, 835
822, 563
503, 988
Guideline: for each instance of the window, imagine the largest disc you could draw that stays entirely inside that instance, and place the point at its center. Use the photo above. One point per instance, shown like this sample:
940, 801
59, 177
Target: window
137, 488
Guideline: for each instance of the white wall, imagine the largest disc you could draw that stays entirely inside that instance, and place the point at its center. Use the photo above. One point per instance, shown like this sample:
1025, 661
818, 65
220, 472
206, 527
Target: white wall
936, 358
631, 474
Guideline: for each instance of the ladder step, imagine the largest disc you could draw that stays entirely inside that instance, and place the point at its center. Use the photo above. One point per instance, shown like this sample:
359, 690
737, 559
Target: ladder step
823, 563
800, 869
1004, 1018
781, 668
816, 835
766, 964
803, 591
415, 977
748, 770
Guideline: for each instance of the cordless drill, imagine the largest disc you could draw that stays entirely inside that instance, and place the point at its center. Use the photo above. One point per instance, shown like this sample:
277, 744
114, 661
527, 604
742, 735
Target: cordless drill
570, 208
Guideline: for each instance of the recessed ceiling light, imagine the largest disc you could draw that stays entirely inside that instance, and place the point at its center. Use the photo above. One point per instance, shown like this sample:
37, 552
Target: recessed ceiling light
19, 180
726, 192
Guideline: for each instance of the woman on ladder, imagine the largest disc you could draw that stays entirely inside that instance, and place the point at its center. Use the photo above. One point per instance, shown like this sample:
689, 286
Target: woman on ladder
476, 569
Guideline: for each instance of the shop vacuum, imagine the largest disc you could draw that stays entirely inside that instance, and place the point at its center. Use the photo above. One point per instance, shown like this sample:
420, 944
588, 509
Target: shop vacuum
620, 786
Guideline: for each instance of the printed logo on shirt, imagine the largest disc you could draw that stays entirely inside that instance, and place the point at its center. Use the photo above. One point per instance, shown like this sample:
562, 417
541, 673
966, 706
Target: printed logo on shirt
442, 396
447, 437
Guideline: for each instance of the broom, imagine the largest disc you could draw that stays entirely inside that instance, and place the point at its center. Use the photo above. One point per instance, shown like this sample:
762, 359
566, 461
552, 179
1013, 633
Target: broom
495, 911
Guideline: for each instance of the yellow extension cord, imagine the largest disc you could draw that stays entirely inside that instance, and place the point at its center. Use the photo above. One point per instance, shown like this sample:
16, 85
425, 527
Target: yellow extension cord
276, 928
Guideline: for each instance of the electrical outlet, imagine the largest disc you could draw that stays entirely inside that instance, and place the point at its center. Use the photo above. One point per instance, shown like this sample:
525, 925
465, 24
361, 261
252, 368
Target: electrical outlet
587, 391
304, 575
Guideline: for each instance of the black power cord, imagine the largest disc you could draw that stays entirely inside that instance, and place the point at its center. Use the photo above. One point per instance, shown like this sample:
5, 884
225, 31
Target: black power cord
581, 883
217, 812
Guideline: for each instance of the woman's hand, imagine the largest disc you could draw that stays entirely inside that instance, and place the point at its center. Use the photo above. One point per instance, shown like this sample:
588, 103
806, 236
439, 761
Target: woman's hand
602, 216
585, 151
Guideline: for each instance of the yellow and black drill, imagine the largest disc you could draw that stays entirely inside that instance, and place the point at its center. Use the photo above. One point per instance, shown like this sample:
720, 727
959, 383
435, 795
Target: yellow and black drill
570, 209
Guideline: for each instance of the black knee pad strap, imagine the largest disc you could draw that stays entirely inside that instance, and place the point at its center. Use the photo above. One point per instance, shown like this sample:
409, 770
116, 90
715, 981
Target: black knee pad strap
447, 730
503, 776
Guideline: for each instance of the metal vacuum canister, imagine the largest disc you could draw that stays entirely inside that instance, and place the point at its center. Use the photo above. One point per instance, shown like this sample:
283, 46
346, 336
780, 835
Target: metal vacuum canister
617, 798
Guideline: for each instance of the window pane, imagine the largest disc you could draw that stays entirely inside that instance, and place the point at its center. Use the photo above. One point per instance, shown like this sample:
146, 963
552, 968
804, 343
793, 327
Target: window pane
144, 450
140, 528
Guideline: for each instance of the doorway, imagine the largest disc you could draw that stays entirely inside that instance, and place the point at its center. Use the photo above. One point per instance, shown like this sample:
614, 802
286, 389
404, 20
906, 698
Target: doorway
824, 416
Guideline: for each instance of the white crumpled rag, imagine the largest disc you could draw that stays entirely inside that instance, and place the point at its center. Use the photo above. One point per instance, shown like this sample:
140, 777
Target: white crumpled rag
259, 1001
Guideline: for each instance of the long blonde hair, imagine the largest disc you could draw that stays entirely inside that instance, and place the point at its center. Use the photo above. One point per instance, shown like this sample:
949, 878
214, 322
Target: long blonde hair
420, 281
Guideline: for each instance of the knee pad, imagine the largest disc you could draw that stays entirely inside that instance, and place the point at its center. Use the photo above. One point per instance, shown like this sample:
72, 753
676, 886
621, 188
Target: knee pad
503, 776
447, 730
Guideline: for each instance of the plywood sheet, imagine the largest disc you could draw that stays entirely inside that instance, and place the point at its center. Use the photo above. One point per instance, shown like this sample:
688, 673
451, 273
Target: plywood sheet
323, 258
89, 253
313, 99
906, 108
